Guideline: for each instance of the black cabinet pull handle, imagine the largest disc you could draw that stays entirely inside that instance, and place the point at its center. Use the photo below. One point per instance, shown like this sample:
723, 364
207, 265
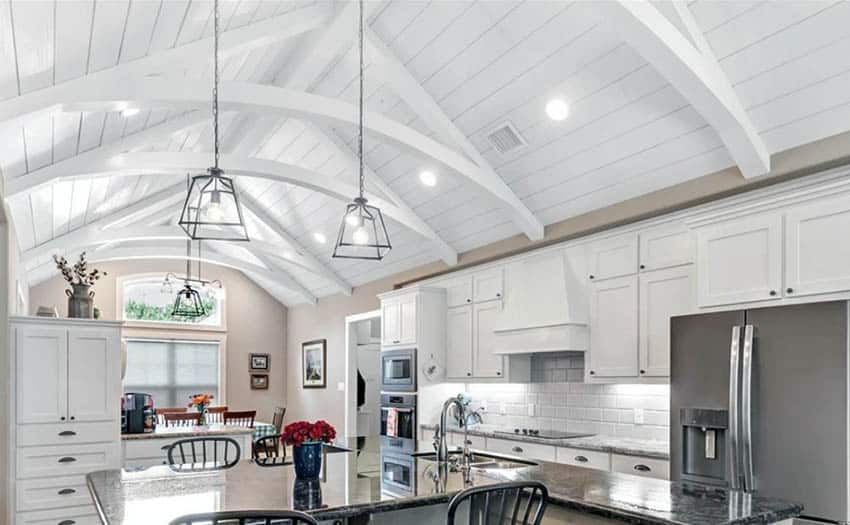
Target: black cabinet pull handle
66, 522
581, 459
789, 290
642, 468
65, 433
65, 492
517, 449
67, 459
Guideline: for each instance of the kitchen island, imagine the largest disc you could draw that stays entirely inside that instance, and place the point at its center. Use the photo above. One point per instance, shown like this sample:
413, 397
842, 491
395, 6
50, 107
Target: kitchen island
148, 449
158, 495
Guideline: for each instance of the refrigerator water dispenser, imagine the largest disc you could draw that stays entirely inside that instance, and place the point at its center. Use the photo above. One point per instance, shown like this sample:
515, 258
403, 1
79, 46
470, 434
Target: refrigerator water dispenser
704, 453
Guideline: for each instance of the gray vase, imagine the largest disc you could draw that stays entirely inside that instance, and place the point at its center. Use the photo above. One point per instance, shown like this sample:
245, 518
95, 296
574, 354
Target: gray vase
80, 301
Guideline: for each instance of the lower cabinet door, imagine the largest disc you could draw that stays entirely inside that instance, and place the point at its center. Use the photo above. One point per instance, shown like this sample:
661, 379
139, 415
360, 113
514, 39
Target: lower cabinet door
85, 515
522, 449
51, 493
37, 462
584, 458
647, 467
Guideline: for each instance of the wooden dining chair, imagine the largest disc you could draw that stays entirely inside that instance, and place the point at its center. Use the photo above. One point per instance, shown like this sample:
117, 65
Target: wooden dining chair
241, 418
160, 413
203, 454
277, 418
185, 419
216, 414
512, 502
248, 517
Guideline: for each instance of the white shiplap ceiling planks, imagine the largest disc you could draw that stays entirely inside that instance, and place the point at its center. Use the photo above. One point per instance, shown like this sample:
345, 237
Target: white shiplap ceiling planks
482, 64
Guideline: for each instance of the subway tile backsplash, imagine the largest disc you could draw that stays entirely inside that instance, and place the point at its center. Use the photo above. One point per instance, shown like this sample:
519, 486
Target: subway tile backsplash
562, 402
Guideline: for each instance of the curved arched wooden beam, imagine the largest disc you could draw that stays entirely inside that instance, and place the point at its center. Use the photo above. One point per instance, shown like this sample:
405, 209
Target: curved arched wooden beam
182, 93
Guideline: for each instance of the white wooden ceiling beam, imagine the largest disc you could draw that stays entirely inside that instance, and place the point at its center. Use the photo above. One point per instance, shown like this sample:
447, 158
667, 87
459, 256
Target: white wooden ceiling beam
276, 29
696, 75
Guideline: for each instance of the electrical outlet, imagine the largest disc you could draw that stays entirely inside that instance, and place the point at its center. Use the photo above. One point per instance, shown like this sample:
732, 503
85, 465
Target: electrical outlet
503, 408
340, 386
531, 410
638, 416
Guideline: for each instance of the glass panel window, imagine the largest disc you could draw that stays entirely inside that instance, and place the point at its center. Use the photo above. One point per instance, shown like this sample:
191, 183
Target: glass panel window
172, 371
149, 299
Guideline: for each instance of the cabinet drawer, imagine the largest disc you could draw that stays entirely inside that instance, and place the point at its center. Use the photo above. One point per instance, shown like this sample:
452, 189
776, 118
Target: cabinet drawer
584, 458
86, 515
647, 467
36, 462
522, 449
147, 448
67, 433
52, 493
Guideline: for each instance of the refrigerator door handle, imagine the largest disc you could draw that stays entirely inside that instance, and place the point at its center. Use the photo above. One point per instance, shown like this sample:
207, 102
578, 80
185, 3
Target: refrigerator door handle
747, 409
734, 375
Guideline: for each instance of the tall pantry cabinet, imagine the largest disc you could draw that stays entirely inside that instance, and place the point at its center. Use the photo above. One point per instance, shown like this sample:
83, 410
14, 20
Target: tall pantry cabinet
65, 416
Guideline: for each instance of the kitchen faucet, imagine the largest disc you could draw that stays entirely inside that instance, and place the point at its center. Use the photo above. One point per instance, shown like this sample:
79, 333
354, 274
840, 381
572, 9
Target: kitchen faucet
442, 446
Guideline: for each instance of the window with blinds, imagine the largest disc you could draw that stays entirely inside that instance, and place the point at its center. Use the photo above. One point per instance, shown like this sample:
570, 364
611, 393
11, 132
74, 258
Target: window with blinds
172, 371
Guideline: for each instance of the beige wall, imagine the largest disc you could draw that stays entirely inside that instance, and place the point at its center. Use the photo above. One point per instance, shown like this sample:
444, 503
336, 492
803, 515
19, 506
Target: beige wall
256, 322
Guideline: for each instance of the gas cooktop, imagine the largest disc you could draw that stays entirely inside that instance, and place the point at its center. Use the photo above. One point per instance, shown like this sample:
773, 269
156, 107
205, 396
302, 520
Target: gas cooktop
544, 434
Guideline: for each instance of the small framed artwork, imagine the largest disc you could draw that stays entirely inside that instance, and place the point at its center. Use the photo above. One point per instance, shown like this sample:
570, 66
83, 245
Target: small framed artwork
260, 362
314, 366
259, 382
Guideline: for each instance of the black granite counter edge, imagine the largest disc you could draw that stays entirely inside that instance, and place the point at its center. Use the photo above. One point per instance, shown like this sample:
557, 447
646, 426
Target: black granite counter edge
567, 442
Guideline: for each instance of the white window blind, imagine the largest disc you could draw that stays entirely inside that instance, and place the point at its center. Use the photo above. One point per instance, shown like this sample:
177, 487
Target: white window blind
172, 371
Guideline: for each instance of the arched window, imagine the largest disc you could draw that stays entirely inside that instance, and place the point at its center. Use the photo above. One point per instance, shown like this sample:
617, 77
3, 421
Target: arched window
147, 299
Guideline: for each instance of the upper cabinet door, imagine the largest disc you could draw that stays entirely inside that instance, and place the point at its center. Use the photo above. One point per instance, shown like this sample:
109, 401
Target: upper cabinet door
740, 261
663, 294
485, 363
459, 292
613, 257
93, 369
614, 328
666, 247
41, 356
407, 320
487, 286
459, 342
817, 252
390, 322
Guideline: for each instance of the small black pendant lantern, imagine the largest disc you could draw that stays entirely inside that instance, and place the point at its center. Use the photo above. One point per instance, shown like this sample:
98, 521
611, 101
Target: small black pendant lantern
363, 232
211, 210
188, 303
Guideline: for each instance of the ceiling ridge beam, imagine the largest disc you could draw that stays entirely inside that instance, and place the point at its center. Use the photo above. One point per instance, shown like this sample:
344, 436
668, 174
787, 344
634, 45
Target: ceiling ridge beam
696, 75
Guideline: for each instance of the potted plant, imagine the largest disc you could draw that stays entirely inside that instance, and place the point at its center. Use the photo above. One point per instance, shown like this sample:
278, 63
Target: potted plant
307, 440
80, 297
200, 402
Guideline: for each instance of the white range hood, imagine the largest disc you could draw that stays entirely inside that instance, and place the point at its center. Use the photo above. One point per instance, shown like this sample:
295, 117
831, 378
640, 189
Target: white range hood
545, 304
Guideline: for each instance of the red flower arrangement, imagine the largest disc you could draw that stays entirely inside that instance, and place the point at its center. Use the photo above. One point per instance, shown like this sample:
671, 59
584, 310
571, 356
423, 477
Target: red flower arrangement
300, 432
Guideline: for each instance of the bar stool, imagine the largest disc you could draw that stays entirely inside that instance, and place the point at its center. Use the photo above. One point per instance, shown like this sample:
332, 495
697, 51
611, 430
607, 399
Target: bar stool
247, 517
501, 504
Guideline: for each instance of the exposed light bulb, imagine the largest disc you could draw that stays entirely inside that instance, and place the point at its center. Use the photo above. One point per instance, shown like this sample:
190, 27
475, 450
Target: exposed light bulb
428, 178
360, 236
557, 109
213, 211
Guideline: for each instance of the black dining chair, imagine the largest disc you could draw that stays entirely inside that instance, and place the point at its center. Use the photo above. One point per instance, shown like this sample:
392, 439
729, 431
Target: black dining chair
269, 447
510, 503
277, 418
203, 453
247, 517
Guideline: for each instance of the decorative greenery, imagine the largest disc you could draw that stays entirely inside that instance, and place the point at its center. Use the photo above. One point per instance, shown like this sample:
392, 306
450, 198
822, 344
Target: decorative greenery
140, 311
79, 273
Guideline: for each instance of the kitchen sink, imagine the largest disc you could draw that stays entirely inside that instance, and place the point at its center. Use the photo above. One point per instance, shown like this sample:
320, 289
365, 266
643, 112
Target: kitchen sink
480, 460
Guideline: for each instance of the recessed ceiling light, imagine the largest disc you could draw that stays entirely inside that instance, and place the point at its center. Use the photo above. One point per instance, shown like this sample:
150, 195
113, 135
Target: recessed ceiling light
129, 112
428, 178
557, 109
320, 238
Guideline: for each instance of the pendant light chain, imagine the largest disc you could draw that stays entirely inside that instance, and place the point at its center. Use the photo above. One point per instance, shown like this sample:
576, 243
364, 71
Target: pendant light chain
217, 16
360, 129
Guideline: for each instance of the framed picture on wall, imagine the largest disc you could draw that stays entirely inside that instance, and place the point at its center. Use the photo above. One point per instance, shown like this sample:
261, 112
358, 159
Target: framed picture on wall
259, 382
260, 361
314, 365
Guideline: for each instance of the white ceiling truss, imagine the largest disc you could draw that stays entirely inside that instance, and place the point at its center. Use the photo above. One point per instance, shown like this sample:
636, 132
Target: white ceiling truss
659, 93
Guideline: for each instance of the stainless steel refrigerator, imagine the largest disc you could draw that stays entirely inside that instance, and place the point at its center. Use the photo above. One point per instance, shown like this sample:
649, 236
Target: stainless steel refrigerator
759, 402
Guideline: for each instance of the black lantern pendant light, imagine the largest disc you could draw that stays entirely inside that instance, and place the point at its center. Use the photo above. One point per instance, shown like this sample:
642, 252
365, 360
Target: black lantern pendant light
363, 233
188, 303
211, 210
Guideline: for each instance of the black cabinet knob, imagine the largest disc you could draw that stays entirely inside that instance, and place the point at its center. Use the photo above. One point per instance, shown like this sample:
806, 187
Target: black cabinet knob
62, 418
643, 267
592, 372
773, 292
789, 290
469, 373
591, 277
498, 373
73, 418
469, 300
498, 295
643, 371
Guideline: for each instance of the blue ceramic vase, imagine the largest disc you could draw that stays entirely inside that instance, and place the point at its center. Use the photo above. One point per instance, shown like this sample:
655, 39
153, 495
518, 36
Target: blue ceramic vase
308, 460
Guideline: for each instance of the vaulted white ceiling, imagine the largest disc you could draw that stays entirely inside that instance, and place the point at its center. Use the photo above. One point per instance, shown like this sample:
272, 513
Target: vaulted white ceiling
659, 93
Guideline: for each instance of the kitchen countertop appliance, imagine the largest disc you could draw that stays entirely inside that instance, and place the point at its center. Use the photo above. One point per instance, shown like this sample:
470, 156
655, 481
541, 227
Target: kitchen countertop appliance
137, 413
759, 403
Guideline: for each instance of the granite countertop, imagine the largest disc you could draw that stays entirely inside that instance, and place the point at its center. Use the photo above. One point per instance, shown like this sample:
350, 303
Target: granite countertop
157, 495
163, 432
618, 445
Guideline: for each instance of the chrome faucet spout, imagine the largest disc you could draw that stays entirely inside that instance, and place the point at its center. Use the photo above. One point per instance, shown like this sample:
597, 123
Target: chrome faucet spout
443, 449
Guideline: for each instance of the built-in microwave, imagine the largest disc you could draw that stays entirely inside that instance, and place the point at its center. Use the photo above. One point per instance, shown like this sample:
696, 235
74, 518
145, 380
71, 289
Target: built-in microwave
398, 370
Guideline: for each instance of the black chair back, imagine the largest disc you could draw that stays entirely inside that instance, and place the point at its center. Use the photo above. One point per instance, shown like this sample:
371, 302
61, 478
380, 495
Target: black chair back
269, 447
204, 453
511, 503
247, 517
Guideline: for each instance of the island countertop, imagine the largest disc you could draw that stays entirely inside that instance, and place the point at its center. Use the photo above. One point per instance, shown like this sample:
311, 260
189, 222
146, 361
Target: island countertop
163, 432
158, 494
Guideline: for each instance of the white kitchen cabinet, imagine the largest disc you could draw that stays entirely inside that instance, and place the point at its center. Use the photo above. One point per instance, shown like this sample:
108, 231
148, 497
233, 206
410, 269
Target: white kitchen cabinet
640, 466
521, 449
740, 260
817, 254
93, 368
663, 294
459, 342
459, 292
665, 247
486, 363
613, 328
407, 319
613, 257
487, 285
398, 320
42, 364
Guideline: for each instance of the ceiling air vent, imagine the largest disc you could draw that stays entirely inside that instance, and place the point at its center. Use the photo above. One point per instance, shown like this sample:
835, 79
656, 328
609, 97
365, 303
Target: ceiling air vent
506, 139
